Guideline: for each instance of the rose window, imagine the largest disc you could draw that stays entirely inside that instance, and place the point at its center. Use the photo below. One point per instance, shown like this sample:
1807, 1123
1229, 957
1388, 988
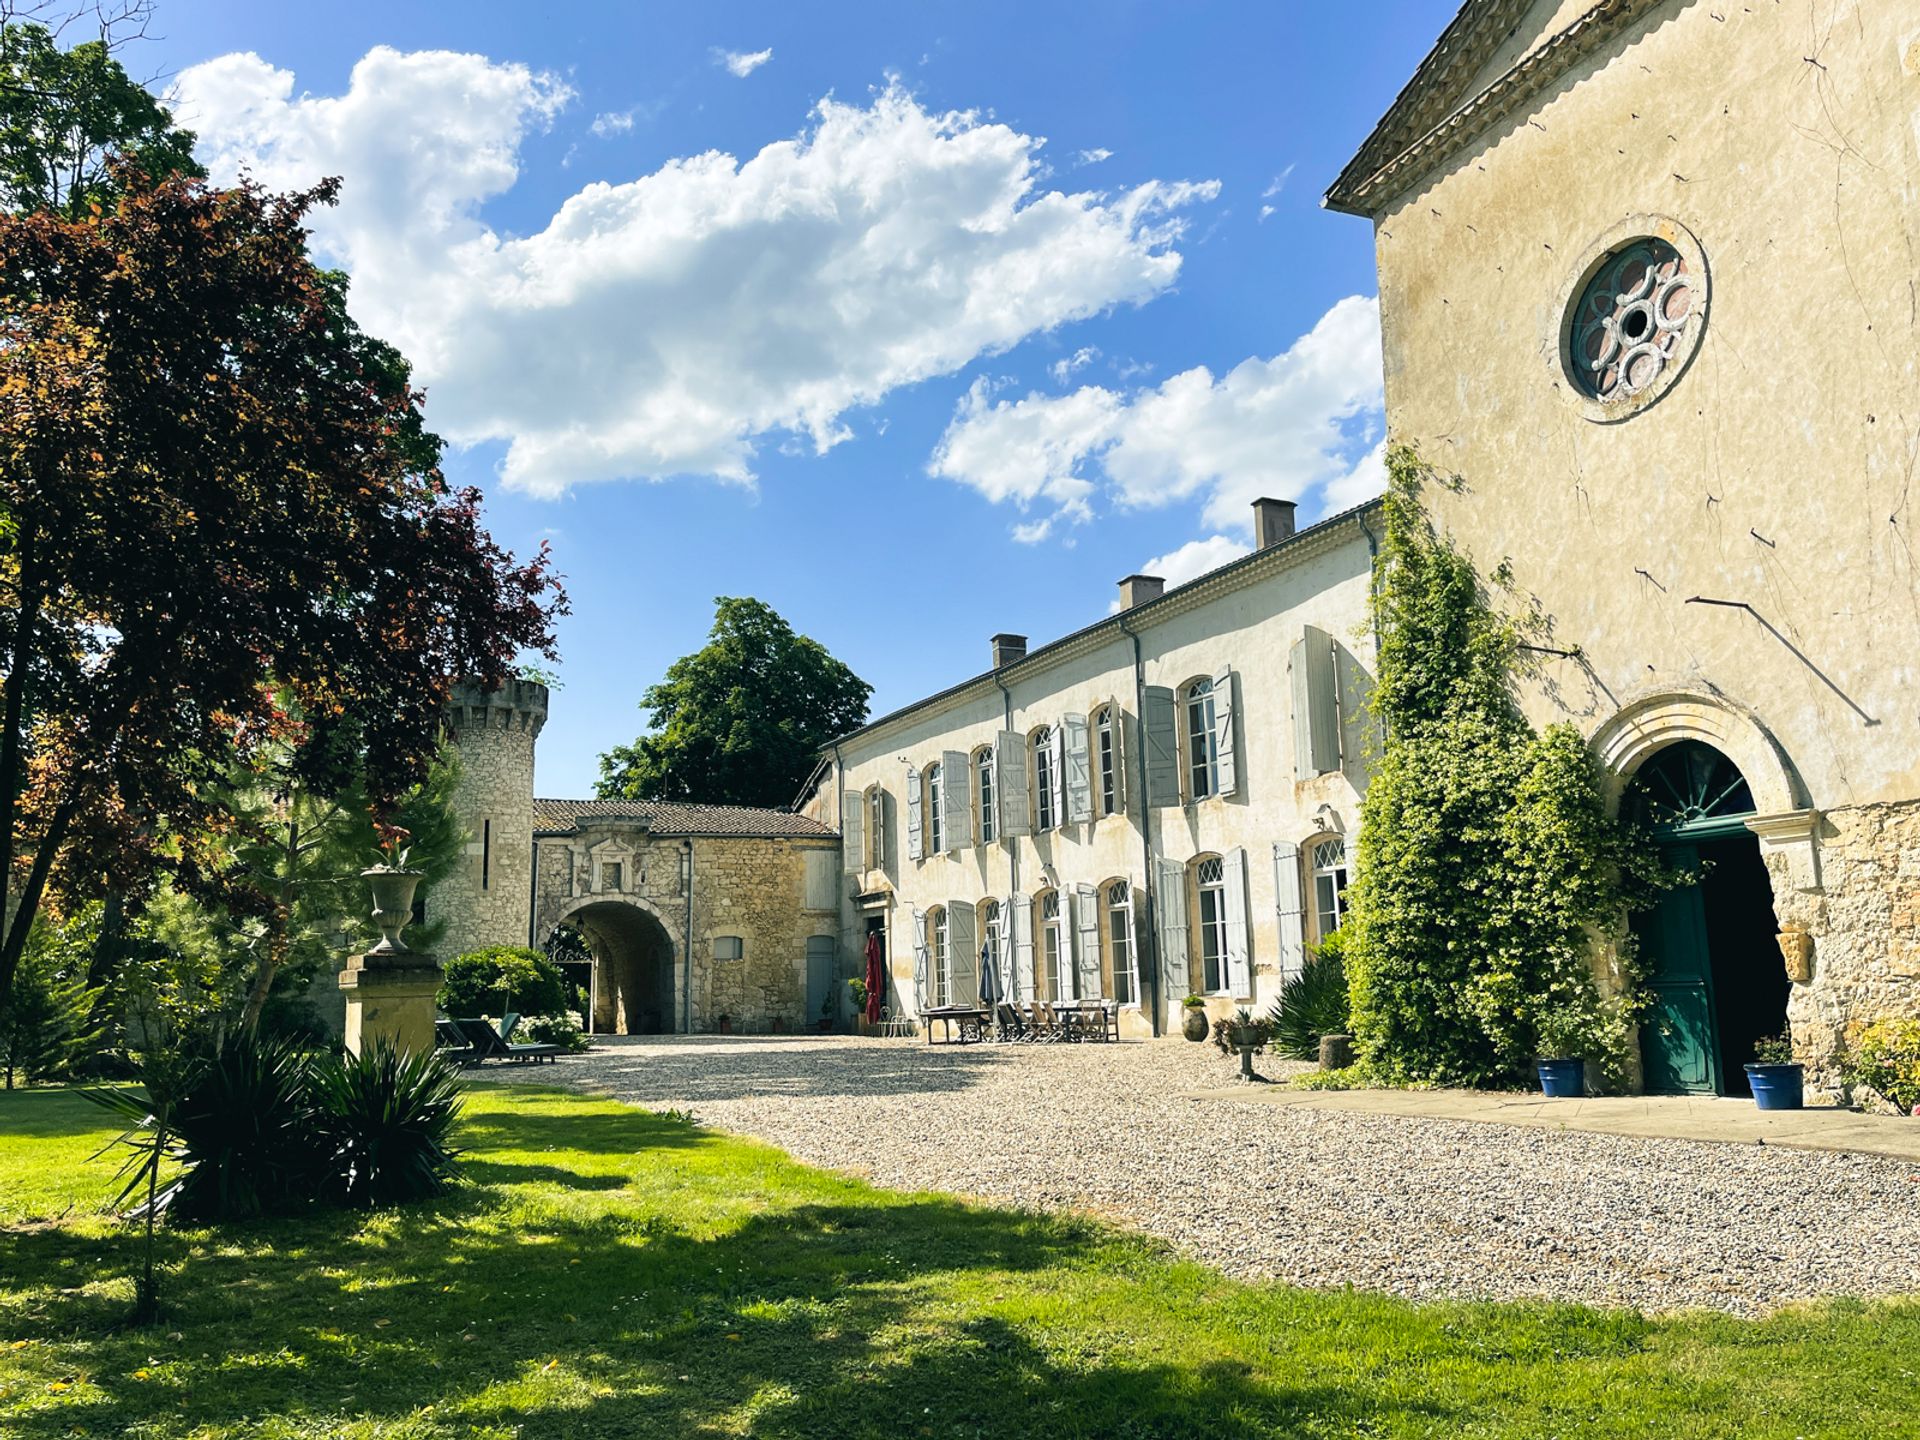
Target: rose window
1630, 319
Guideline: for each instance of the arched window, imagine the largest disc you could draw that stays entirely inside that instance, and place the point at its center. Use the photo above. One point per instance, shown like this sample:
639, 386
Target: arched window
1053, 947
992, 940
936, 795
1210, 891
1121, 956
876, 827
1203, 753
1045, 812
1106, 760
939, 968
983, 793
1329, 885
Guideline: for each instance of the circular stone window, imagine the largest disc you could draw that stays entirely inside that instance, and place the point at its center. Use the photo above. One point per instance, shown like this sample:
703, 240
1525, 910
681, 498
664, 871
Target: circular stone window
1639, 308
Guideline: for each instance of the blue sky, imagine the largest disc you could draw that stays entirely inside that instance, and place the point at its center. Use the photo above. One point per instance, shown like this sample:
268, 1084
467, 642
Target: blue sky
911, 376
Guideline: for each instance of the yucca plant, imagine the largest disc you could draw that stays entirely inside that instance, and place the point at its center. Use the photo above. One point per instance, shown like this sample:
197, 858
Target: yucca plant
1312, 1003
381, 1124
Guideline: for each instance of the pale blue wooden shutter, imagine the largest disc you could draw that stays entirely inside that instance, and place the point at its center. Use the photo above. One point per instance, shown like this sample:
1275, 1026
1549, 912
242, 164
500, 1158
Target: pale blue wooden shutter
1239, 949
1359, 734
1160, 734
1010, 783
1119, 756
1316, 705
853, 843
963, 957
1226, 764
1020, 911
922, 957
914, 848
1079, 782
1289, 908
956, 810
1171, 899
1086, 940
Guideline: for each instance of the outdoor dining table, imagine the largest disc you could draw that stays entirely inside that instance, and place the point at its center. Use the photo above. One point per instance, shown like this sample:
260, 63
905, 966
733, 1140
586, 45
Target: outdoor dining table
971, 1021
1083, 1019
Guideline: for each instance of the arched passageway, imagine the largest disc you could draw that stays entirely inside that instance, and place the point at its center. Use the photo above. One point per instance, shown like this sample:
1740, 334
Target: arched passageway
1709, 949
633, 966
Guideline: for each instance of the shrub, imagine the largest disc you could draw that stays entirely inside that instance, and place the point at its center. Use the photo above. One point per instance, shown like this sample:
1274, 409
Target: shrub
502, 978
561, 1030
1312, 1003
242, 1132
1886, 1058
382, 1121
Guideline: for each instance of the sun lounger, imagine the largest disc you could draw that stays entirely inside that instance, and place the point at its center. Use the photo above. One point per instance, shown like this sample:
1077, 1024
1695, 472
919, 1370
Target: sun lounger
488, 1045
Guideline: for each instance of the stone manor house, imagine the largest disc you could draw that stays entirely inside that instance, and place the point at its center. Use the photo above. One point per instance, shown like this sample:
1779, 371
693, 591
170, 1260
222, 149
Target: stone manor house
1647, 277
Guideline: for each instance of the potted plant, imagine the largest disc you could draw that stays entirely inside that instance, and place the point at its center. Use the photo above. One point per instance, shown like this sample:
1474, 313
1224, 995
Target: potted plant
1243, 1033
825, 1023
392, 884
1195, 1026
857, 988
1561, 1067
1778, 1083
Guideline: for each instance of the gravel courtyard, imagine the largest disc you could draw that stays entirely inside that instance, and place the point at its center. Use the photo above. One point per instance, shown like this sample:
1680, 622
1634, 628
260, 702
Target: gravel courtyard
1425, 1208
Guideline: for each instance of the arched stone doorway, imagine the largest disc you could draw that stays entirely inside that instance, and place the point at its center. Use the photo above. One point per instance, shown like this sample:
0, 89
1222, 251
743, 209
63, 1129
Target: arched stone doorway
633, 968
1708, 947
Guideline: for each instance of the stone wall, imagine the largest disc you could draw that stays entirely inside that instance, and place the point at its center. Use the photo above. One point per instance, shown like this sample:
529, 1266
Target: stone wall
1864, 921
485, 900
755, 889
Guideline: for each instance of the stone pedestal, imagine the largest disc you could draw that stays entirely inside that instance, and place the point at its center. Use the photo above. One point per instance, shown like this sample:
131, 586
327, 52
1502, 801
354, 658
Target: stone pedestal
390, 996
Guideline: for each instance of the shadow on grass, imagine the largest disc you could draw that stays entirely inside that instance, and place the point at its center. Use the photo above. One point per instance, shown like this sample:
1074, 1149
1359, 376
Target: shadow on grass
874, 1314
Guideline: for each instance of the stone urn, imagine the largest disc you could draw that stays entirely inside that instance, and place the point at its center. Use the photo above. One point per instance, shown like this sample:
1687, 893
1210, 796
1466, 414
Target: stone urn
392, 905
1196, 1025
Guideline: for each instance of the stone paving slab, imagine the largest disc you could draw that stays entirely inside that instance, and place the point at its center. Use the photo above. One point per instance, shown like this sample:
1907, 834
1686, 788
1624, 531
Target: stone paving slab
1656, 1117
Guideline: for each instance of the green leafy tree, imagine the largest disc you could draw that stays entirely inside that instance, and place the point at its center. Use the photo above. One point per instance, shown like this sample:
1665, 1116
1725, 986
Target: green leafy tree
500, 978
740, 721
64, 114
1488, 868
52, 1022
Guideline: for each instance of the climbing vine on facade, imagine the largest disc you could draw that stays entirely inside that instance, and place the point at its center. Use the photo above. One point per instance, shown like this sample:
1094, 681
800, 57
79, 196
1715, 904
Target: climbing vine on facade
1489, 871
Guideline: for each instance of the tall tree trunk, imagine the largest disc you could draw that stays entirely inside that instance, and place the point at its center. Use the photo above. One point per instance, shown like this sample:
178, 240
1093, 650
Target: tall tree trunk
22, 923
13, 711
275, 955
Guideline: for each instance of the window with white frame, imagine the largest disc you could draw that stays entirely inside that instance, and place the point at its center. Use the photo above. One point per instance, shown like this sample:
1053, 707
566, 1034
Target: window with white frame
1106, 752
1053, 947
1203, 754
939, 970
877, 827
1210, 887
983, 793
1329, 885
1044, 817
936, 799
1120, 943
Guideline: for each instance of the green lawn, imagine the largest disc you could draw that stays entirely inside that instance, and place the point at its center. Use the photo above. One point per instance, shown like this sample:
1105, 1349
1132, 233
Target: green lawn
609, 1272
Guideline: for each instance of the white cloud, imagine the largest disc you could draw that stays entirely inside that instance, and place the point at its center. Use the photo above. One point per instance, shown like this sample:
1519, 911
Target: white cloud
742, 63
1366, 479
1064, 367
1192, 560
1265, 211
614, 122
1281, 427
670, 324
1095, 156
1278, 183
1032, 532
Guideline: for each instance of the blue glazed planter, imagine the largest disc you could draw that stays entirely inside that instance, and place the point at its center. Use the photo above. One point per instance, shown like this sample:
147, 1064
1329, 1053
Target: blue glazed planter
1563, 1079
1778, 1087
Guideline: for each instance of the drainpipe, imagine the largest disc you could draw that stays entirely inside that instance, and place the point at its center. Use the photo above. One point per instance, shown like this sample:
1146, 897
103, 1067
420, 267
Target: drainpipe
1151, 979
686, 982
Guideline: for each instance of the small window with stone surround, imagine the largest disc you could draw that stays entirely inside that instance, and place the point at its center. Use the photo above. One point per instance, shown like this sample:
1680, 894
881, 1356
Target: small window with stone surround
729, 947
612, 875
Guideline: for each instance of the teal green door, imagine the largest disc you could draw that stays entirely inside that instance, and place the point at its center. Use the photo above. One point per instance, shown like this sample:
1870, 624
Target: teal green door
1678, 1048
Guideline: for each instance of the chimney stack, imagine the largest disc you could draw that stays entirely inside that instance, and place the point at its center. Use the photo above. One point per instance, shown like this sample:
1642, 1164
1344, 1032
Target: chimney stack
1138, 589
1007, 649
1272, 522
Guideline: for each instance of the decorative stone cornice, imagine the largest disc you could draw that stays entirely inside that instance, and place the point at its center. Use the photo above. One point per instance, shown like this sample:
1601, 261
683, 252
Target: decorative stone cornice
1405, 145
1795, 835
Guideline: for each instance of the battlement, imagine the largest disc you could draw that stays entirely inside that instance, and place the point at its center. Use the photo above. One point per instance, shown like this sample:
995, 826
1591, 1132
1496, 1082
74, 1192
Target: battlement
521, 705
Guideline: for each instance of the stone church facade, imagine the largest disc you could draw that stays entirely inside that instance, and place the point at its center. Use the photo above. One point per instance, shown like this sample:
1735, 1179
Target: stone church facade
1647, 277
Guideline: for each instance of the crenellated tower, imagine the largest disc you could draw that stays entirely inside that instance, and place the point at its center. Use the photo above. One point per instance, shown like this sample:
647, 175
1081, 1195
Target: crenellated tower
488, 900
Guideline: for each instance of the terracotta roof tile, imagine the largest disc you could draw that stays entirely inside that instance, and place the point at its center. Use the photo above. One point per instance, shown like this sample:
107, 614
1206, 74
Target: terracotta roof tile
673, 817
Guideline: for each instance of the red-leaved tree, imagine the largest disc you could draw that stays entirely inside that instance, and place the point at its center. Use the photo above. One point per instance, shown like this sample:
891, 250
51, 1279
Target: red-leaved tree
214, 487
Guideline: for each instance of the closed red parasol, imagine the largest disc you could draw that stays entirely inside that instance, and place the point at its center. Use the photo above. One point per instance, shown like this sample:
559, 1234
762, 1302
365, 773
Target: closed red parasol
876, 976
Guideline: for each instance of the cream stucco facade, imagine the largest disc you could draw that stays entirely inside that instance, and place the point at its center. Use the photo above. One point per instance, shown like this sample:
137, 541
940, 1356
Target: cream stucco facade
1730, 551
1278, 637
